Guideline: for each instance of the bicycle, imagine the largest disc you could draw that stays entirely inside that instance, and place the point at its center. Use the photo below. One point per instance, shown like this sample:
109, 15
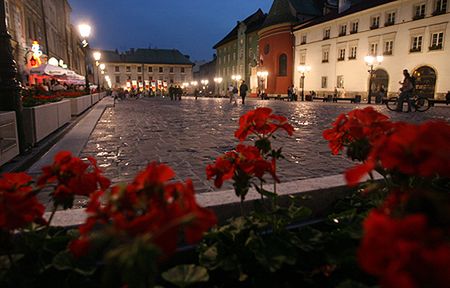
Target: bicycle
419, 103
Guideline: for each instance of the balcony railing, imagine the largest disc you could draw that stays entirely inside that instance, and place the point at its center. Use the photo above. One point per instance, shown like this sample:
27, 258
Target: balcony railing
351, 57
374, 26
354, 31
389, 23
326, 37
418, 16
342, 33
325, 61
340, 59
435, 47
414, 50
387, 53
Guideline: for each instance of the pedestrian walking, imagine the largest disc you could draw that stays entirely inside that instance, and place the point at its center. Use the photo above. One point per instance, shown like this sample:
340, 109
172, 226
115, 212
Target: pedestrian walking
290, 93
234, 95
243, 91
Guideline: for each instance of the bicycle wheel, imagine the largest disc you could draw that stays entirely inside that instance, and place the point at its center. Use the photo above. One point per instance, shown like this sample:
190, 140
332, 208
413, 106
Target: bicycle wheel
422, 104
392, 103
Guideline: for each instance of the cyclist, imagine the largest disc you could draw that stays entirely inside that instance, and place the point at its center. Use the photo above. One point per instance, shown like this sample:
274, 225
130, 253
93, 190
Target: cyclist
405, 91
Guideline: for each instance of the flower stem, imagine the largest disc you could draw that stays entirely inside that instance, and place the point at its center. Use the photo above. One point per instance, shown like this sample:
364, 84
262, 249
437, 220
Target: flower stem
51, 216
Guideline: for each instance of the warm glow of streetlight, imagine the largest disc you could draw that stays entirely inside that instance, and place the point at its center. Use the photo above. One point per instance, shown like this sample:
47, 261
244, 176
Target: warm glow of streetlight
204, 82
236, 77
194, 83
303, 68
85, 30
370, 60
262, 73
218, 80
97, 55
102, 66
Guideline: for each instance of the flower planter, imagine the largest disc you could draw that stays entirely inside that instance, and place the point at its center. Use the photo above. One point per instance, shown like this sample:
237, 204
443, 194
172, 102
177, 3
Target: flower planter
95, 98
80, 104
9, 146
41, 121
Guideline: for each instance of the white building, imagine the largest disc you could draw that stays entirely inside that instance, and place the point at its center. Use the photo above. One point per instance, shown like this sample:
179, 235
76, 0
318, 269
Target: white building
136, 68
410, 34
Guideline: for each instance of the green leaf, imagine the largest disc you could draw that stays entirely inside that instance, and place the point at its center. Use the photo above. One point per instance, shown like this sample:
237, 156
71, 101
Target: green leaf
65, 261
186, 275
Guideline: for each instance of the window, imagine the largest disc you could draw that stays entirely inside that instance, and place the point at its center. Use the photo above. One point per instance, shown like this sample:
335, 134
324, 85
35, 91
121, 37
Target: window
150, 78
117, 79
150, 69
303, 58
341, 54
374, 22
117, 69
390, 19
437, 39
139, 78
419, 11
324, 82
182, 69
355, 25
171, 69
340, 81
325, 55
373, 49
388, 47
282, 65
139, 69
161, 69
128, 69
440, 7
303, 39
343, 30
353, 51
416, 44
326, 33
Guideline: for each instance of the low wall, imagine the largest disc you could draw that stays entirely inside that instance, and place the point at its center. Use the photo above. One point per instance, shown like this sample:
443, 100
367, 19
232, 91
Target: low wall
9, 144
80, 104
41, 121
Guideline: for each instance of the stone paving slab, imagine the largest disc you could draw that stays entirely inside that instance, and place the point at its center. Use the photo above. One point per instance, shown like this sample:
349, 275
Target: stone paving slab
189, 134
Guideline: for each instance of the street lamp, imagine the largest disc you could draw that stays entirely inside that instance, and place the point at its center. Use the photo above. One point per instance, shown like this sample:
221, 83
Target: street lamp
85, 32
218, 81
97, 56
102, 67
262, 76
303, 69
236, 78
371, 61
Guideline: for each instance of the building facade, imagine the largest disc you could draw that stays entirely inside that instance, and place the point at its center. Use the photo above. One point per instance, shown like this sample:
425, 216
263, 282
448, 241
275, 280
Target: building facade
409, 34
48, 23
237, 53
139, 68
276, 41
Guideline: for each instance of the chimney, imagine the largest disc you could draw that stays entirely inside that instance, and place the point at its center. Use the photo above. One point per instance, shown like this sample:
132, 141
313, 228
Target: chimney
344, 5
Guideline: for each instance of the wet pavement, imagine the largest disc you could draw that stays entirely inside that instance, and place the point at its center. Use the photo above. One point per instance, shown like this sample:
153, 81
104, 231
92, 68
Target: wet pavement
188, 135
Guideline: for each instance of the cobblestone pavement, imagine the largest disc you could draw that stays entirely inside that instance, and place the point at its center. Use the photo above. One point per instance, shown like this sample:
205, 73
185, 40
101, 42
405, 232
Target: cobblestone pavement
188, 135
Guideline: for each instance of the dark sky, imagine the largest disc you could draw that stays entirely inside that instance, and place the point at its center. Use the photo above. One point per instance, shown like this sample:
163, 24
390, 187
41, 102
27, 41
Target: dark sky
191, 26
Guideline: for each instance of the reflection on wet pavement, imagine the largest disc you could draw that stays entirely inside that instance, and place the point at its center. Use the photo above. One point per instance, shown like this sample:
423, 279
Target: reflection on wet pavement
188, 135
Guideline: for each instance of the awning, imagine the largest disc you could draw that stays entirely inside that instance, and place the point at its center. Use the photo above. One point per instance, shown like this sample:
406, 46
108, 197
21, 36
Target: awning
47, 69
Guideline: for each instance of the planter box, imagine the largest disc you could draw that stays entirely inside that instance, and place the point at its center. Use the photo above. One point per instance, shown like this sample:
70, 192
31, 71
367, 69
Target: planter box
80, 104
95, 98
9, 144
41, 121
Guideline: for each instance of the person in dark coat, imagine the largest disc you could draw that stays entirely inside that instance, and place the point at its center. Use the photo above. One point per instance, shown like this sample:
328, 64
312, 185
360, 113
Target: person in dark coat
243, 91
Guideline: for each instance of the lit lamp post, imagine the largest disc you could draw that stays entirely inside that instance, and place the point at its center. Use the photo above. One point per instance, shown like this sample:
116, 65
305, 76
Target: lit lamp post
85, 32
236, 78
102, 67
262, 76
97, 56
218, 81
371, 61
205, 85
303, 69
9, 86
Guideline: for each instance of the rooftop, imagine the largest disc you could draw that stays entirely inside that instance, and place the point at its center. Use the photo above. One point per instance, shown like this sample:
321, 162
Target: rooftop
146, 56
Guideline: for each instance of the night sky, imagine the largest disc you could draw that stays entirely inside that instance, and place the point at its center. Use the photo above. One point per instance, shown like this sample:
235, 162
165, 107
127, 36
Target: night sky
191, 26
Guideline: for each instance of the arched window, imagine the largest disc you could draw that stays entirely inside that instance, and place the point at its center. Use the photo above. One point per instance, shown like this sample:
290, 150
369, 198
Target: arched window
425, 81
282, 65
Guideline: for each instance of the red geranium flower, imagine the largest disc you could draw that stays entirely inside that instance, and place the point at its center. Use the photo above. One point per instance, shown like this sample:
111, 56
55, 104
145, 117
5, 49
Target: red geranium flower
261, 122
404, 252
18, 203
73, 177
